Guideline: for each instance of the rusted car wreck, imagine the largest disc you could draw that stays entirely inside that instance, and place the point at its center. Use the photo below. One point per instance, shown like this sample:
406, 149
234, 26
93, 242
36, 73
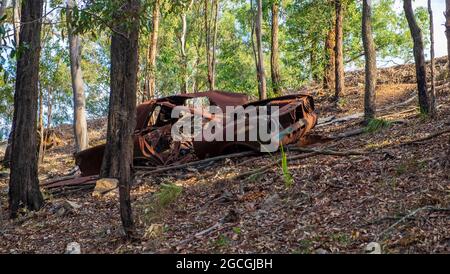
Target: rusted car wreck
154, 145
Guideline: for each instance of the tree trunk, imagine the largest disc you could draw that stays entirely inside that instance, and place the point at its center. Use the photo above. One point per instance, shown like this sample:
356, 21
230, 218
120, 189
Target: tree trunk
419, 58
447, 31
79, 101
118, 156
3, 5
433, 84
153, 47
262, 87
339, 51
214, 45
274, 56
16, 20
49, 107
24, 183
16, 28
330, 57
371, 62
184, 60
41, 129
211, 52
313, 60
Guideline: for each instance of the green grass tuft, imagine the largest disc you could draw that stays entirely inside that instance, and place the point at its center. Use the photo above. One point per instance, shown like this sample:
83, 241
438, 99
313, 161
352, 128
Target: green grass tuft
287, 176
375, 125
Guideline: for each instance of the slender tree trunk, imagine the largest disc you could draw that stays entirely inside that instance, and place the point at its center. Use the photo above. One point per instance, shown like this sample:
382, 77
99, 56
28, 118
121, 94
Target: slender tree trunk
118, 156
214, 45
16, 20
208, 43
447, 31
252, 39
79, 101
184, 60
24, 183
274, 54
3, 5
433, 84
313, 60
49, 107
421, 73
16, 28
41, 129
330, 66
153, 47
339, 51
371, 62
262, 87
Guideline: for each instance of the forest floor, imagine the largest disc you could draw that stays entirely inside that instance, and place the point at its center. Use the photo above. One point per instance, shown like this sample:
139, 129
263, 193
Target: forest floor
397, 195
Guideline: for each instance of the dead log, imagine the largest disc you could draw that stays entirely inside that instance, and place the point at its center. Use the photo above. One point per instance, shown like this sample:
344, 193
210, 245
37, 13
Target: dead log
428, 137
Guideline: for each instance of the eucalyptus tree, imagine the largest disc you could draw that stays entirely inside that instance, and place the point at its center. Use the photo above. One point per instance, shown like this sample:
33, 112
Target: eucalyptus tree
24, 183
79, 101
371, 62
419, 56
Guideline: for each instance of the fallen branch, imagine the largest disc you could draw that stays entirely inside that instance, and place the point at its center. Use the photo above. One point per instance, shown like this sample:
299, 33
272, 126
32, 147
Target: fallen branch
331, 152
408, 216
63, 178
327, 121
430, 136
191, 164
216, 227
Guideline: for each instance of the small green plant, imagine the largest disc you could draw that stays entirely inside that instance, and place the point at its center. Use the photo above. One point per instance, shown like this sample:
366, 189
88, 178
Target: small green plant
168, 194
222, 241
287, 176
342, 102
410, 166
375, 125
341, 238
237, 230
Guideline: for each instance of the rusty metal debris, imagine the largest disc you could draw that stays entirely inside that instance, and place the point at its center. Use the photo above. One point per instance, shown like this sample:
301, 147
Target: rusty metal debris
154, 145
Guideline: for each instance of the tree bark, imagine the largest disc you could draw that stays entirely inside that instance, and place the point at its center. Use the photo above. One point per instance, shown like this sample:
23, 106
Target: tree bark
330, 57
339, 51
41, 129
16, 20
79, 101
447, 31
371, 62
153, 47
118, 156
24, 183
274, 57
214, 45
211, 50
16, 28
433, 84
184, 60
421, 73
262, 87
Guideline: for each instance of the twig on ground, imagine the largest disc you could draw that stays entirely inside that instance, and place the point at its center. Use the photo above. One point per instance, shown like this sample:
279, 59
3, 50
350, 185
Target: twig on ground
204, 161
408, 216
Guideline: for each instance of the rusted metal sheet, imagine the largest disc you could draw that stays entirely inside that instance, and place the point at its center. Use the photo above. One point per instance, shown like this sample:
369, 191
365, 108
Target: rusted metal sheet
154, 146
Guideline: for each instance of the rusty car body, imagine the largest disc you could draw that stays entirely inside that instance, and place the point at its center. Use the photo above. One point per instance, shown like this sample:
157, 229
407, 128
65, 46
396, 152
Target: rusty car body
154, 145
